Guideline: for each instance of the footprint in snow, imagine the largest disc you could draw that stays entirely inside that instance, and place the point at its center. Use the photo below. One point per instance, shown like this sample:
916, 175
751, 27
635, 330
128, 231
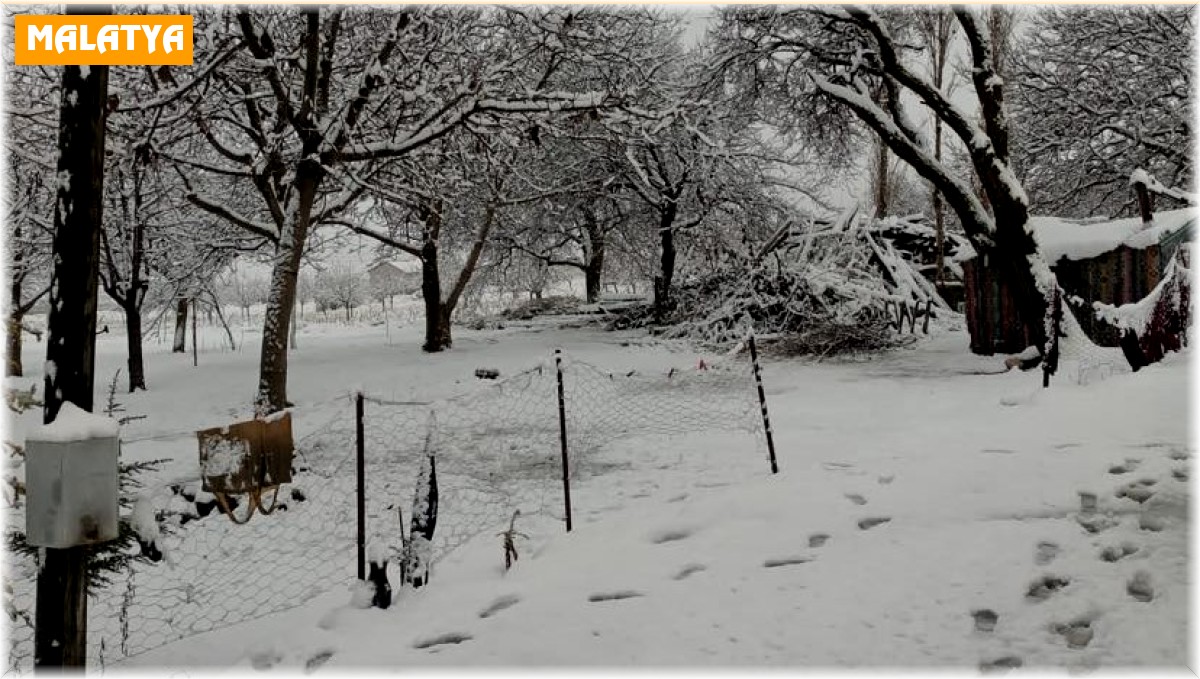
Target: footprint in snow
1177, 454
856, 499
499, 604
688, 570
1078, 633
817, 539
869, 523
785, 561
985, 619
1138, 491
1096, 523
1114, 553
443, 639
1008, 662
886, 479
671, 535
1180, 474
265, 659
316, 661
614, 596
1046, 552
1043, 587
1139, 587
1151, 522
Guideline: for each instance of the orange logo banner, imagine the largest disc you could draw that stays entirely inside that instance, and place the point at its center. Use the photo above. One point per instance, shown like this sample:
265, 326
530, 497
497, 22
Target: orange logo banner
94, 39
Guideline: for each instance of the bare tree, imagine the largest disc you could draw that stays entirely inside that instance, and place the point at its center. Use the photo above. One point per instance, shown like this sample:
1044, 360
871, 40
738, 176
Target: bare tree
1103, 92
840, 55
340, 287
351, 88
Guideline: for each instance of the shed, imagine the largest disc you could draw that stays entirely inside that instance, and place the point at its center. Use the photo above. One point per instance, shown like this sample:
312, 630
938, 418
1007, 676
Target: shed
1113, 262
390, 278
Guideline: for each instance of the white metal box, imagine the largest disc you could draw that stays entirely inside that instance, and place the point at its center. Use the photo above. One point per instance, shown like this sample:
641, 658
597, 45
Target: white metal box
71, 480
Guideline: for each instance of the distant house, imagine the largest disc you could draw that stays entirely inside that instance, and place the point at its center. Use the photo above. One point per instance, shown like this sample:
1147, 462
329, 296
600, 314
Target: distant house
1113, 262
389, 279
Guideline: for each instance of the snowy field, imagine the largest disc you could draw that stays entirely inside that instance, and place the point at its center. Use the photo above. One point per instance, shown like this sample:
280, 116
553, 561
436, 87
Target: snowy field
926, 514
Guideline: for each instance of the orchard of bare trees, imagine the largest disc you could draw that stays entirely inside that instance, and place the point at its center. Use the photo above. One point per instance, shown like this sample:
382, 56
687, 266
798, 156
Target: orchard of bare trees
521, 145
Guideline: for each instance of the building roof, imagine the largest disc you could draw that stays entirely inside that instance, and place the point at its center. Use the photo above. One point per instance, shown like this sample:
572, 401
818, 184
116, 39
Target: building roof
1077, 239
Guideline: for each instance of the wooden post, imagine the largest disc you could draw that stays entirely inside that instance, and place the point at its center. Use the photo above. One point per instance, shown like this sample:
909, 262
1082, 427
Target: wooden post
361, 480
1144, 203
562, 436
762, 403
60, 628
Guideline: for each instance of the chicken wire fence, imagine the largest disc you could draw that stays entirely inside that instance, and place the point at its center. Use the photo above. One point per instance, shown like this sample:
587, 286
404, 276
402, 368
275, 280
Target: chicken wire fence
497, 449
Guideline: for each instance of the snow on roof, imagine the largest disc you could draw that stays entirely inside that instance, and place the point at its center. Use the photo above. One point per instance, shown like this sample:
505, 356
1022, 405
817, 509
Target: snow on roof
408, 265
1083, 239
1058, 238
74, 424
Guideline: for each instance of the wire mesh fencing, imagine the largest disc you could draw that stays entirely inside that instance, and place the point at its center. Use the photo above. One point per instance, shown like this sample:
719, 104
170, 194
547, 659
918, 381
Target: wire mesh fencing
497, 449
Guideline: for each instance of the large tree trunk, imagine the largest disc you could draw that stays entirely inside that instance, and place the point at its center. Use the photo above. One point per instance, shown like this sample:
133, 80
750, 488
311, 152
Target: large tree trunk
181, 316
662, 291
593, 269
13, 367
273, 360
437, 322
133, 333
61, 609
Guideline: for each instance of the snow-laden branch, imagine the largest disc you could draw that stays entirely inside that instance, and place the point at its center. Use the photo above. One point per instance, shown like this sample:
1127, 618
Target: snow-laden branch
957, 192
267, 231
1140, 176
467, 107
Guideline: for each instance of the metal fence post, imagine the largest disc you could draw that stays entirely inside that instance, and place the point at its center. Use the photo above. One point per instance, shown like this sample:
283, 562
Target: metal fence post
360, 465
762, 402
562, 436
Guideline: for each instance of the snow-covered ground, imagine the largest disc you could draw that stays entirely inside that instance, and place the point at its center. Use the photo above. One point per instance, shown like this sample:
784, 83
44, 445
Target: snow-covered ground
924, 515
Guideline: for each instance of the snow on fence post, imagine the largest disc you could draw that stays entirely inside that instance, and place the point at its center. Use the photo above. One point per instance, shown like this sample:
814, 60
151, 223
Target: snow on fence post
762, 402
360, 487
1139, 180
1054, 314
562, 436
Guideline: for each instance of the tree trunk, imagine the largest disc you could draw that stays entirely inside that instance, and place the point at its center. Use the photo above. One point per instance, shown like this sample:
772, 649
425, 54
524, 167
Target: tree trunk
181, 316
292, 334
13, 367
882, 193
437, 320
939, 217
60, 637
273, 360
133, 334
662, 292
593, 269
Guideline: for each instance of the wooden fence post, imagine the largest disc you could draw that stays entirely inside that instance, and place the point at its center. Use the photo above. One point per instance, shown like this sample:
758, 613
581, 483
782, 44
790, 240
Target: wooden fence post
762, 403
361, 482
562, 436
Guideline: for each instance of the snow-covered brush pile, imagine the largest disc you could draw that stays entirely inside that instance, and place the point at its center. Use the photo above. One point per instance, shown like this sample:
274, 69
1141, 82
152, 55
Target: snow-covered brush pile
821, 292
